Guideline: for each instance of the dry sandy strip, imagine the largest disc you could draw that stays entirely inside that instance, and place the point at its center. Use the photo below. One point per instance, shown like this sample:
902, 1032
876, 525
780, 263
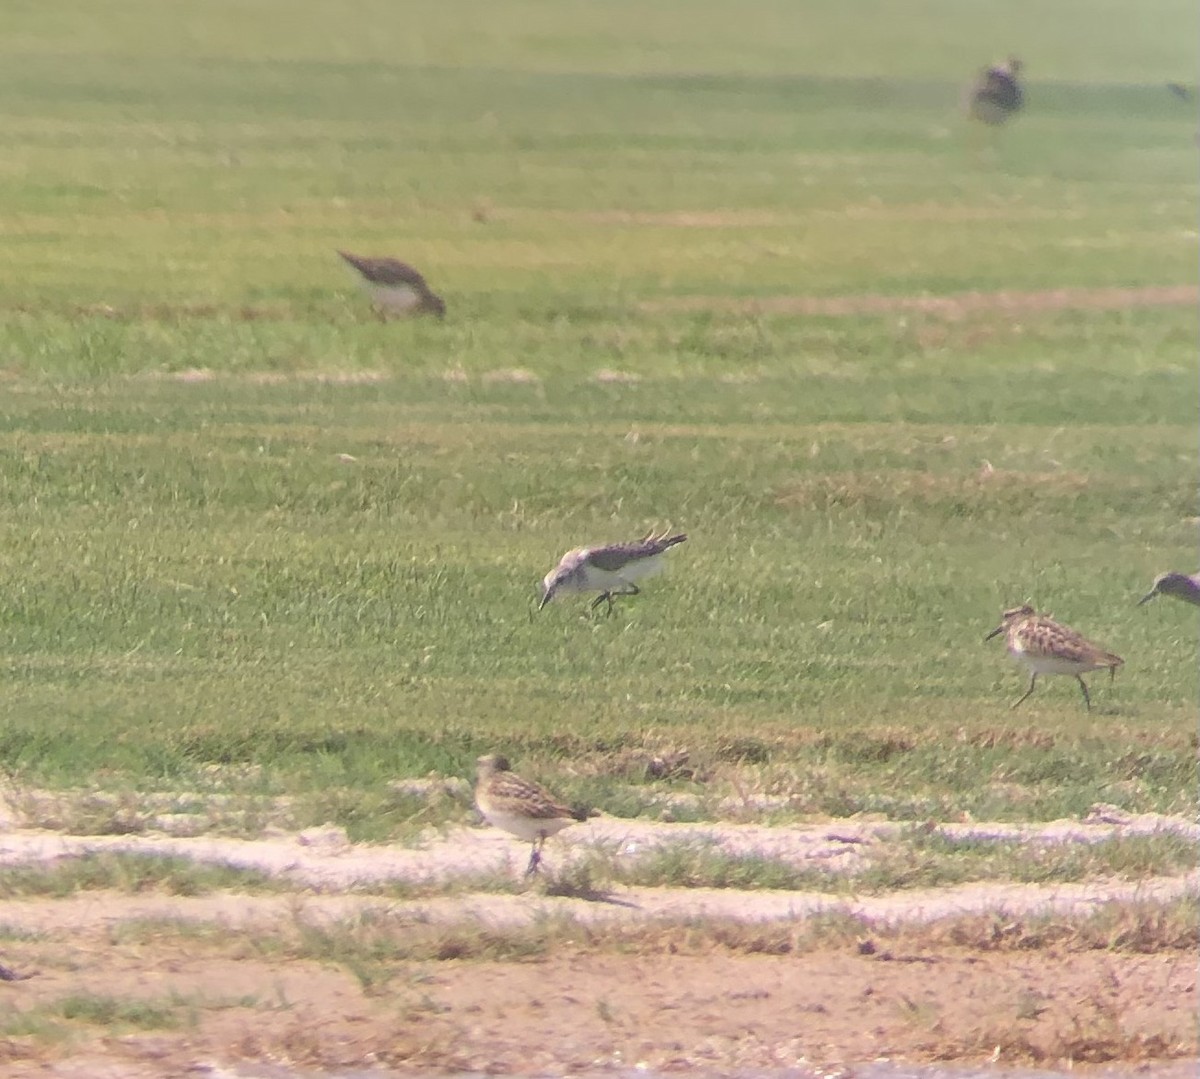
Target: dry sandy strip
325, 866
575, 1011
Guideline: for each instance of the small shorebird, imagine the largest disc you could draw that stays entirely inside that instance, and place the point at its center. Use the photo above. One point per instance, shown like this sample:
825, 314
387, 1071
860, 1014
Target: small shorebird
1180, 585
520, 806
1047, 647
610, 570
396, 287
996, 95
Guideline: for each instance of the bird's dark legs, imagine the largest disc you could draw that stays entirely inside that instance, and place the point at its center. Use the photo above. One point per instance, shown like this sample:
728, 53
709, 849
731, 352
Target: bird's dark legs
1032, 683
630, 589
535, 856
1083, 685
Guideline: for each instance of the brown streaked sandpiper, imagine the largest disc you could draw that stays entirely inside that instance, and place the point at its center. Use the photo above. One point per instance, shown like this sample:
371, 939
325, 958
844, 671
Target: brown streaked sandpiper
520, 806
1048, 647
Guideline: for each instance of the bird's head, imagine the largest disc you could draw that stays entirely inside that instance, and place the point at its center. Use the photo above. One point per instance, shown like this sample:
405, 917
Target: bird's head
550, 585
437, 305
490, 764
1013, 614
1014, 65
1160, 586
1179, 585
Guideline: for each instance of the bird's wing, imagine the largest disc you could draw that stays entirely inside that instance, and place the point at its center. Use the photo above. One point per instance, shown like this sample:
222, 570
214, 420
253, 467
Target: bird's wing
1074, 646
390, 272
617, 556
534, 801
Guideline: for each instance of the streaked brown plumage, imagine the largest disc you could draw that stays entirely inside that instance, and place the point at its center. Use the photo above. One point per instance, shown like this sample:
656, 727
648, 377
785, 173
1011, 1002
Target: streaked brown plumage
396, 287
519, 806
1048, 647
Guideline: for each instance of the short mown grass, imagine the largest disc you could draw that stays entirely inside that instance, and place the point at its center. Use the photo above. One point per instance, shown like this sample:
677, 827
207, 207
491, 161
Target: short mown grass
247, 527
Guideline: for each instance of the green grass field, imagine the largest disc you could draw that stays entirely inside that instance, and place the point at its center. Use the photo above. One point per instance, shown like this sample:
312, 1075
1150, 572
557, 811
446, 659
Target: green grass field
201, 595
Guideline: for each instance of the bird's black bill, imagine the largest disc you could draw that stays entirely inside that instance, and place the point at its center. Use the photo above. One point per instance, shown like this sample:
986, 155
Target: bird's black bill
998, 630
1147, 598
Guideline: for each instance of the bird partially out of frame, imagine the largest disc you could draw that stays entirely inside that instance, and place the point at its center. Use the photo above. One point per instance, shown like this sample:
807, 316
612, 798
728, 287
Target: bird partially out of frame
1180, 585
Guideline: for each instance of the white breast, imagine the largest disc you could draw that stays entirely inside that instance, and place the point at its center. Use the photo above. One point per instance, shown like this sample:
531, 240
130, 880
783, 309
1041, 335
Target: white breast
398, 298
526, 828
1045, 664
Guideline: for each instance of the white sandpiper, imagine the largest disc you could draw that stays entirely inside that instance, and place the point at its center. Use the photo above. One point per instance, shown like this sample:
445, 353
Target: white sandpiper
611, 570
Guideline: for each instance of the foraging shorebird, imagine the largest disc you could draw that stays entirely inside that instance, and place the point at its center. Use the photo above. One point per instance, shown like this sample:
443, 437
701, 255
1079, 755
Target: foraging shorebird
520, 806
1180, 585
396, 287
996, 95
1180, 91
610, 570
1048, 647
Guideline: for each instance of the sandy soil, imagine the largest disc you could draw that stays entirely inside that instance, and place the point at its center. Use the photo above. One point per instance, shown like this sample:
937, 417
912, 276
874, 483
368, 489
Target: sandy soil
582, 1008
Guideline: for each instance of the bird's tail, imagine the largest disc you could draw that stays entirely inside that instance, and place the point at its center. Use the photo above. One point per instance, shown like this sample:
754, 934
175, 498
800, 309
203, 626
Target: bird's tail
664, 541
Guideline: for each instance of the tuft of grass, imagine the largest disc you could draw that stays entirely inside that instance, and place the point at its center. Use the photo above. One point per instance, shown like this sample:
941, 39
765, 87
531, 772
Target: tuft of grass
380, 944
919, 858
102, 1010
53, 1021
131, 873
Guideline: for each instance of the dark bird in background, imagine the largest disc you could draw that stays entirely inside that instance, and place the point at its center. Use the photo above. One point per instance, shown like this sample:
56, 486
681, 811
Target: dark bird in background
1180, 91
996, 95
396, 287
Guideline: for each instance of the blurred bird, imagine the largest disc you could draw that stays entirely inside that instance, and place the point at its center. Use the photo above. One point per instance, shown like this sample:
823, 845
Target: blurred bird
1048, 647
520, 806
1182, 92
396, 287
996, 95
1180, 585
610, 570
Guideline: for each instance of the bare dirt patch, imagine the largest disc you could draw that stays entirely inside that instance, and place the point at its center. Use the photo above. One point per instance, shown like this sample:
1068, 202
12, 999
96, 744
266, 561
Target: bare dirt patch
951, 307
323, 976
